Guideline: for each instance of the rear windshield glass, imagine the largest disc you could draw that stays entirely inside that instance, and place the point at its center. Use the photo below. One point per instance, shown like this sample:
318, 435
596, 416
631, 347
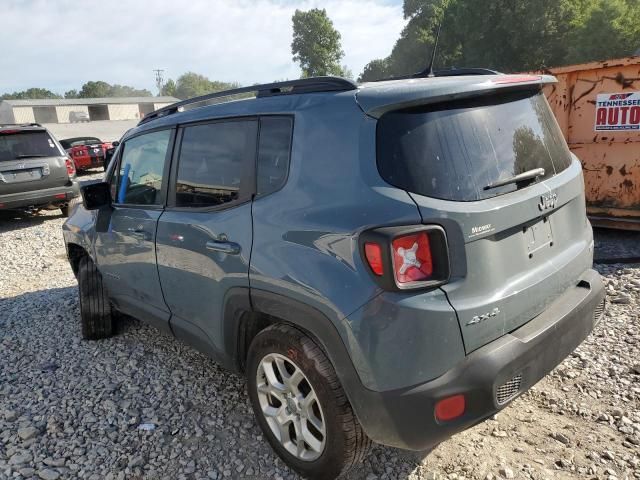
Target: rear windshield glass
23, 144
453, 151
75, 142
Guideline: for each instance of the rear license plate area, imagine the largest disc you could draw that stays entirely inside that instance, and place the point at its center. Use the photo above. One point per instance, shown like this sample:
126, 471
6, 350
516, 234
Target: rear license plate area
538, 236
16, 176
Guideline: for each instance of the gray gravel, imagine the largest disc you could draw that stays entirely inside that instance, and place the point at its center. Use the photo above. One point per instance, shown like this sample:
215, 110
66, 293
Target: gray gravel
144, 405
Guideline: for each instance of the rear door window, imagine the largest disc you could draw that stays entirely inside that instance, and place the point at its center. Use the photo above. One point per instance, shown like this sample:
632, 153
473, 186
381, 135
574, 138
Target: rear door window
213, 161
452, 151
23, 144
274, 150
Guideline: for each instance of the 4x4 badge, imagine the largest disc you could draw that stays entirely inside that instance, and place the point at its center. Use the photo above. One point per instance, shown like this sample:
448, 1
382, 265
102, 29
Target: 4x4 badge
481, 318
548, 200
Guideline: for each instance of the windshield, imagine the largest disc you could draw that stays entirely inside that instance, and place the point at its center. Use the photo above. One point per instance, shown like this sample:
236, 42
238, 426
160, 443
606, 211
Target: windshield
454, 152
26, 144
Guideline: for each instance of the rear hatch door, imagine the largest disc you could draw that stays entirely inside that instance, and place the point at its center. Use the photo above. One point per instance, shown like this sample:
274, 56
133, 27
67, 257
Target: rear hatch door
30, 160
514, 248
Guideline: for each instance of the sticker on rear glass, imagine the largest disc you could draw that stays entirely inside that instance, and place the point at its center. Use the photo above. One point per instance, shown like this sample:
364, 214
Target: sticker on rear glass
618, 111
51, 144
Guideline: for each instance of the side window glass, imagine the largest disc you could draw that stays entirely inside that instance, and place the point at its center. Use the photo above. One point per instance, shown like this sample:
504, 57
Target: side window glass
141, 169
273, 153
212, 160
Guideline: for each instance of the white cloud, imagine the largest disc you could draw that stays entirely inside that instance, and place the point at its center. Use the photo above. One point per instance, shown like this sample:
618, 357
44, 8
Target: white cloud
60, 45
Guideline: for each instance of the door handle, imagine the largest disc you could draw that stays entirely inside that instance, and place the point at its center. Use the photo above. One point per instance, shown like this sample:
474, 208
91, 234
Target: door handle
230, 248
138, 233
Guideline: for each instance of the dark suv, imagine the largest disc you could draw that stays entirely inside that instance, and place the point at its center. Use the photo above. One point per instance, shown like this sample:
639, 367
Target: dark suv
35, 171
392, 261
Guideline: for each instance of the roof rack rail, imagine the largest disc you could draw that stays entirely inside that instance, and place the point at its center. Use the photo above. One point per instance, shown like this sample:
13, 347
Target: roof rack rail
31, 124
449, 72
288, 87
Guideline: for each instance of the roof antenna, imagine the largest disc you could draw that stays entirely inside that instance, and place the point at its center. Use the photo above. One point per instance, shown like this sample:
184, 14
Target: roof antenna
428, 72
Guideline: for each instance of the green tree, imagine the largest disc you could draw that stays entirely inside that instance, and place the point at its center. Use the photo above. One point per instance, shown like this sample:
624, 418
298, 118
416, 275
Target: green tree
191, 85
506, 35
100, 89
610, 29
169, 89
30, 93
71, 94
316, 44
375, 70
127, 91
95, 89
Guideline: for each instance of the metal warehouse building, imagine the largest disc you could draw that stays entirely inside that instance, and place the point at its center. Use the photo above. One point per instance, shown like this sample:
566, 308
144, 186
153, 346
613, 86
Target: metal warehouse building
58, 110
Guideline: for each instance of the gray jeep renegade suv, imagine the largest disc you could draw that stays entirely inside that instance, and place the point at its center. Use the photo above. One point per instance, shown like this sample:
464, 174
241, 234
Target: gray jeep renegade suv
389, 262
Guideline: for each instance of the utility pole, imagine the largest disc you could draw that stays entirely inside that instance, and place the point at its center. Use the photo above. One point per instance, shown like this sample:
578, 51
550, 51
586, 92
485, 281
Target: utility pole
159, 80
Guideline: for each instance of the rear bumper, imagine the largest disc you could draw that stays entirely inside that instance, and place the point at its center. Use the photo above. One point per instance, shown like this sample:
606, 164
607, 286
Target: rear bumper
405, 418
82, 163
57, 196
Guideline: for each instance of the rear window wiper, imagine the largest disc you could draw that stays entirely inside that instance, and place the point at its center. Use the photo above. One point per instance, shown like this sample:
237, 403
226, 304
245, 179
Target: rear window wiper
527, 176
31, 155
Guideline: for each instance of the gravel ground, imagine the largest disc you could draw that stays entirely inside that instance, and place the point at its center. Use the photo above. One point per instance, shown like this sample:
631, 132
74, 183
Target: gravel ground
144, 405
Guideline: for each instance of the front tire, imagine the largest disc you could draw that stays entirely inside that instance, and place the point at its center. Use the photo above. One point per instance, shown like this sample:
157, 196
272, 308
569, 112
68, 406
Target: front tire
301, 406
96, 317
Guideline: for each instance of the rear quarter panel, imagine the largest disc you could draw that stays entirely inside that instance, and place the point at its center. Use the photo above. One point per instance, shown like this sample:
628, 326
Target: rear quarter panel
306, 242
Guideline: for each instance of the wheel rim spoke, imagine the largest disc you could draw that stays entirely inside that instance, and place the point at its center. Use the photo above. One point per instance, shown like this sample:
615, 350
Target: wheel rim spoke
310, 439
293, 381
291, 407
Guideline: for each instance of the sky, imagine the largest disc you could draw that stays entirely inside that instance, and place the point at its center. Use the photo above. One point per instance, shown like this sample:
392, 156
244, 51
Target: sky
61, 44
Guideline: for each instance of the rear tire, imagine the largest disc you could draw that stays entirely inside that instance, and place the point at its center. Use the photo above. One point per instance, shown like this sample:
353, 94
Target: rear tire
309, 421
96, 317
71, 206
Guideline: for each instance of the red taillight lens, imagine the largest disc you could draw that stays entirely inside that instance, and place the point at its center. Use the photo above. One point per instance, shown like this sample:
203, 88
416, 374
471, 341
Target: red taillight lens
71, 169
412, 260
406, 257
450, 408
373, 252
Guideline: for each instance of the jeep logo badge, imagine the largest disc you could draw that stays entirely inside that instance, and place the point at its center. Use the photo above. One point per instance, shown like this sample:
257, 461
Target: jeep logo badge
547, 201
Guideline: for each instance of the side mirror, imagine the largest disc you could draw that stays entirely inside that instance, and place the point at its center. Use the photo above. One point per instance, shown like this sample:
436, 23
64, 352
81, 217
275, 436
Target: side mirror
96, 195
115, 144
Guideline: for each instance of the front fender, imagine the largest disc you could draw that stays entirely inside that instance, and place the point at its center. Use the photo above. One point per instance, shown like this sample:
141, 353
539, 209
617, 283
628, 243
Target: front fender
79, 229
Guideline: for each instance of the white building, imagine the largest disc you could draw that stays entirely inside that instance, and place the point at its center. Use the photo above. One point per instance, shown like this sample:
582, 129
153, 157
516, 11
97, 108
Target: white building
58, 110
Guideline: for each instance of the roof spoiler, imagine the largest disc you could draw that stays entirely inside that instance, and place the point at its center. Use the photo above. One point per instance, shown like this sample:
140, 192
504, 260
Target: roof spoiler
289, 87
449, 72
376, 100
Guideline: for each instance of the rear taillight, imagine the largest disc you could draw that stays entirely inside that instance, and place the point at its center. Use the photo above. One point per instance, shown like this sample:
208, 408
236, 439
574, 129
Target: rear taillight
373, 253
71, 169
412, 261
403, 258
